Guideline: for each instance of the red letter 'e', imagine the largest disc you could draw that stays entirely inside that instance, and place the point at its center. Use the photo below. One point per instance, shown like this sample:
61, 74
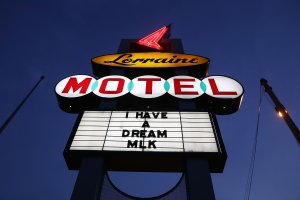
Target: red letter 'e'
178, 86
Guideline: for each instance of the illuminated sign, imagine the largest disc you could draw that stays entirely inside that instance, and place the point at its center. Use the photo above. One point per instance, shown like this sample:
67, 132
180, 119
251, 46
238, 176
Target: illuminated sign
148, 107
210, 89
143, 131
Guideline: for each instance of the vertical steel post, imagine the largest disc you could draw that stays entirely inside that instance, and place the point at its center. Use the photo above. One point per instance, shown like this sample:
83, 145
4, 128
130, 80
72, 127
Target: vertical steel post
89, 180
280, 108
198, 181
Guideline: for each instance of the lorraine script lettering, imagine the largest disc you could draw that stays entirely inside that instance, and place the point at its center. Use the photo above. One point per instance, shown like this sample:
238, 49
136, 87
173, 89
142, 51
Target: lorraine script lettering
126, 59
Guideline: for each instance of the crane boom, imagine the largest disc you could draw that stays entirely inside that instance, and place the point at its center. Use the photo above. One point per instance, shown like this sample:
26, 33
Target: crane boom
281, 110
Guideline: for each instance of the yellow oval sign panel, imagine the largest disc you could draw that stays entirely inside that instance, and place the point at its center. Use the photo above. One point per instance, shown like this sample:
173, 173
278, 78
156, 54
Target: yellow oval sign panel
150, 60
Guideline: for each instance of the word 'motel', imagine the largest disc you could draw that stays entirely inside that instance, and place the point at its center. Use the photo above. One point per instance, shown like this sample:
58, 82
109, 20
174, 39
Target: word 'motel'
149, 86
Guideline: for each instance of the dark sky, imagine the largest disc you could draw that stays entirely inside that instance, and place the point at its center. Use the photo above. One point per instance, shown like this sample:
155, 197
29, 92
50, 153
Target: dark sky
245, 40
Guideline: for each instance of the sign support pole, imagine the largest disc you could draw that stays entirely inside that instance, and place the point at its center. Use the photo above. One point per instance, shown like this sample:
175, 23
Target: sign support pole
89, 180
198, 180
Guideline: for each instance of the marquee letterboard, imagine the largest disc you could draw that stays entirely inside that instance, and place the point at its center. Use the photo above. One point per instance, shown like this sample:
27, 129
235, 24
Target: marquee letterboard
164, 134
145, 131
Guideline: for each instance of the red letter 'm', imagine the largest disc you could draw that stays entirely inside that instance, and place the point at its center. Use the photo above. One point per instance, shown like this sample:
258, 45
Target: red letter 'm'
72, 83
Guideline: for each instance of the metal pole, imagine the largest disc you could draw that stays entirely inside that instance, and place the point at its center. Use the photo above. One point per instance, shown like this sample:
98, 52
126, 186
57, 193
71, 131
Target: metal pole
281, 110
198, 180
19, 106
89, 180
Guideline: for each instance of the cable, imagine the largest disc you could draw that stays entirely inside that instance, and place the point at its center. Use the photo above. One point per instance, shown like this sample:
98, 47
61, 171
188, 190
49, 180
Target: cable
253, 155
269, 100
10, 118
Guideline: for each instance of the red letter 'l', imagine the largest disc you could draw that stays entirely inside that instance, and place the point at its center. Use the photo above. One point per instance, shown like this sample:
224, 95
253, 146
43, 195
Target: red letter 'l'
216, 91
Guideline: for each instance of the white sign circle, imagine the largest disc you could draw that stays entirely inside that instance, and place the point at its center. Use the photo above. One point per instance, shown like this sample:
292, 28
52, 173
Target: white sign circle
147, 86
185, 87
75, 86
222, 87
112, 86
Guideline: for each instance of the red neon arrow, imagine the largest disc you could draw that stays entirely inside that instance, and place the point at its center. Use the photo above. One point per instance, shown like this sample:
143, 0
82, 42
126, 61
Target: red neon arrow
153, 39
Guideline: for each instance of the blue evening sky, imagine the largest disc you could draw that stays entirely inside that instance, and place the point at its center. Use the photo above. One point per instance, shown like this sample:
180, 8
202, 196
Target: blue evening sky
245, 40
